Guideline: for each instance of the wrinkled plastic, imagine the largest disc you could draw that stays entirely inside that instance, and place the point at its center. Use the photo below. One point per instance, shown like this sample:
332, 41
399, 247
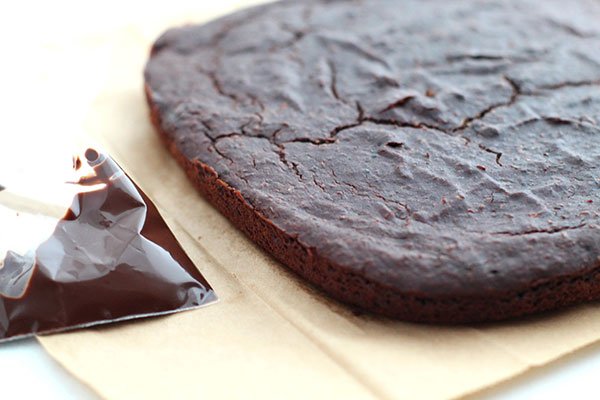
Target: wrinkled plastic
107, 257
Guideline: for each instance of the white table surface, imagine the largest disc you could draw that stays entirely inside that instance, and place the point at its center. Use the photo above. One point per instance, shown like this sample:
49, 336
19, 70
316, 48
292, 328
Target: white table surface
27, 372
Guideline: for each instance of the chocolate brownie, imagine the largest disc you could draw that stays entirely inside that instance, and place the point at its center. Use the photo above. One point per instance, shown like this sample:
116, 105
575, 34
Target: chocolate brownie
431, 161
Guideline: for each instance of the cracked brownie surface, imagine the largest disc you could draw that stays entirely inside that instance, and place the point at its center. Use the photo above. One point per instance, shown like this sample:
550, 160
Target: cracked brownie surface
427, 160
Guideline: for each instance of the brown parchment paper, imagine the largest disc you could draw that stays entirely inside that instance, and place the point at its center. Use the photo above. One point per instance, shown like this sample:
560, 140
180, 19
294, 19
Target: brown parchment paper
76, 70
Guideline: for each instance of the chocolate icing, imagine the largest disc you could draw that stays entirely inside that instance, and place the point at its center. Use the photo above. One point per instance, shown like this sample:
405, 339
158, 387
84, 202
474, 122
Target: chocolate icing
111, 257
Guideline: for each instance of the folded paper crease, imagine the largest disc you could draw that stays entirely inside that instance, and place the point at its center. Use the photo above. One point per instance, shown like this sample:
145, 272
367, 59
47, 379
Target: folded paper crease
271, 335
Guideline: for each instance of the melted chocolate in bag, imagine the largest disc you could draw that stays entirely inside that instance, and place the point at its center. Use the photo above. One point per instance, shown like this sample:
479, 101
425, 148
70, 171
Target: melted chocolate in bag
112, 257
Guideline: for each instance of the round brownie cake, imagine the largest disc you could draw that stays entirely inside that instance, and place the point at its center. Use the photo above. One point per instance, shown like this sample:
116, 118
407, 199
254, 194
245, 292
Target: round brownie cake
431, 161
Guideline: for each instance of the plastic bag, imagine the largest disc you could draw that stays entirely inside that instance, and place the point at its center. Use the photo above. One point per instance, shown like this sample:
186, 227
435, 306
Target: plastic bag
107, 257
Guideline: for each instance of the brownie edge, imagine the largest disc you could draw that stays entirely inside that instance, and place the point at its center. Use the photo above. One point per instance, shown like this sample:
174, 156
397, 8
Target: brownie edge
429, 161
350, 288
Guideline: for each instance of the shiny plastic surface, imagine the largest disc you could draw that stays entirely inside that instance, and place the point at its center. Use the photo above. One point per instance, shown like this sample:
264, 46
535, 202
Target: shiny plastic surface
110, 257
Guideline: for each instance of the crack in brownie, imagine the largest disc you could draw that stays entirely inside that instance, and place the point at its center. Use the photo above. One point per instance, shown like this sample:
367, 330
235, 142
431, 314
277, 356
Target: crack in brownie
431, 161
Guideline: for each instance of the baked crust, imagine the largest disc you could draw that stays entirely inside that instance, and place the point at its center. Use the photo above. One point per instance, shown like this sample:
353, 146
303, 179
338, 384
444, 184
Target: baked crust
489, 241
